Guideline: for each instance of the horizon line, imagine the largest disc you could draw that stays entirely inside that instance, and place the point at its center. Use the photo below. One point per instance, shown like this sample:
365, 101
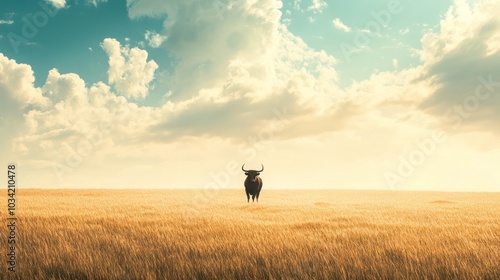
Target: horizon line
274, 189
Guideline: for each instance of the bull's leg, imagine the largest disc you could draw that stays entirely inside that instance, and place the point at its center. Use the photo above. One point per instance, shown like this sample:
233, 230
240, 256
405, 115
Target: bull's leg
258, 196
253, 197
248, 197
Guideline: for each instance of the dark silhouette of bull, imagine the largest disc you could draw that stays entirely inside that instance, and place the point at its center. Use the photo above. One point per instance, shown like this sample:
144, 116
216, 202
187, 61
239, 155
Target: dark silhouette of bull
253, 183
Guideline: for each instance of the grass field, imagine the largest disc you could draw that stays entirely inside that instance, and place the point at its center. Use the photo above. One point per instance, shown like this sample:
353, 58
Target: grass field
162, 234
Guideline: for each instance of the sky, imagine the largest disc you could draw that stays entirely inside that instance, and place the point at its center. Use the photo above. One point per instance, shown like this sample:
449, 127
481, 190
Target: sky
389, 95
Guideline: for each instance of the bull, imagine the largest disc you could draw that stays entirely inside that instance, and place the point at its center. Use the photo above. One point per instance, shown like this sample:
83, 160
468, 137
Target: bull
253, 183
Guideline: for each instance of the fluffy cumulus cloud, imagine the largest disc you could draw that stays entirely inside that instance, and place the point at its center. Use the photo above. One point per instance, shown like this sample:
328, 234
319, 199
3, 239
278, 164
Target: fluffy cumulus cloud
78, 110
44, 121
17, 84
463, 60
245, 34
129, 70
250, 65
17, 95
82, 124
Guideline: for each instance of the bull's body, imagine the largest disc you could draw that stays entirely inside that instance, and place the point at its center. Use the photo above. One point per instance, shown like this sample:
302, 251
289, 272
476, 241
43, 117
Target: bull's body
253, 183
253, 188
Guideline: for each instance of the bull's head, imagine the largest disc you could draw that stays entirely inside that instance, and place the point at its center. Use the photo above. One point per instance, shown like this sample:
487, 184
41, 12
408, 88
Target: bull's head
252, 174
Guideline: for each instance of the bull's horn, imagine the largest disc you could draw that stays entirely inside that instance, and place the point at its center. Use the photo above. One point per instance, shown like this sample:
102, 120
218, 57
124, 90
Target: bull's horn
262, 168
243, 168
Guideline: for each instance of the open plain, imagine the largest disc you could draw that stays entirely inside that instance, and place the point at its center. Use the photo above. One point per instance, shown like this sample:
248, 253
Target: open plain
288, 234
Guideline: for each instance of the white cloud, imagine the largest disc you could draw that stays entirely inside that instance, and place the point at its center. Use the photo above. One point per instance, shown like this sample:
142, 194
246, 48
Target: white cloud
8, 21
246, 32
129, 71
69, 88
95, 3
59, 4
76, 116
17, 95
242, 64
154, 39
317, 6
493, 45
462, 21
395, 63
296, 4
17, 81
340, 25
462, 58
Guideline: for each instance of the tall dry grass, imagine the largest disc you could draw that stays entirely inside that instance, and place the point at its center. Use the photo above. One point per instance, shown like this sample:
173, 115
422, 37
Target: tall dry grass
161, 234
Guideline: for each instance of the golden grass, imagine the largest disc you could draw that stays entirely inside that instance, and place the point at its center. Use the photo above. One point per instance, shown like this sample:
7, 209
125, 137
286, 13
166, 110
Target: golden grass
161, 234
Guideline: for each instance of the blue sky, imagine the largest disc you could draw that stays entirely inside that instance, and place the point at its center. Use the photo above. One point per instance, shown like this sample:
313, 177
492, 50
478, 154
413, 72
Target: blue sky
394, 41
354, 86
